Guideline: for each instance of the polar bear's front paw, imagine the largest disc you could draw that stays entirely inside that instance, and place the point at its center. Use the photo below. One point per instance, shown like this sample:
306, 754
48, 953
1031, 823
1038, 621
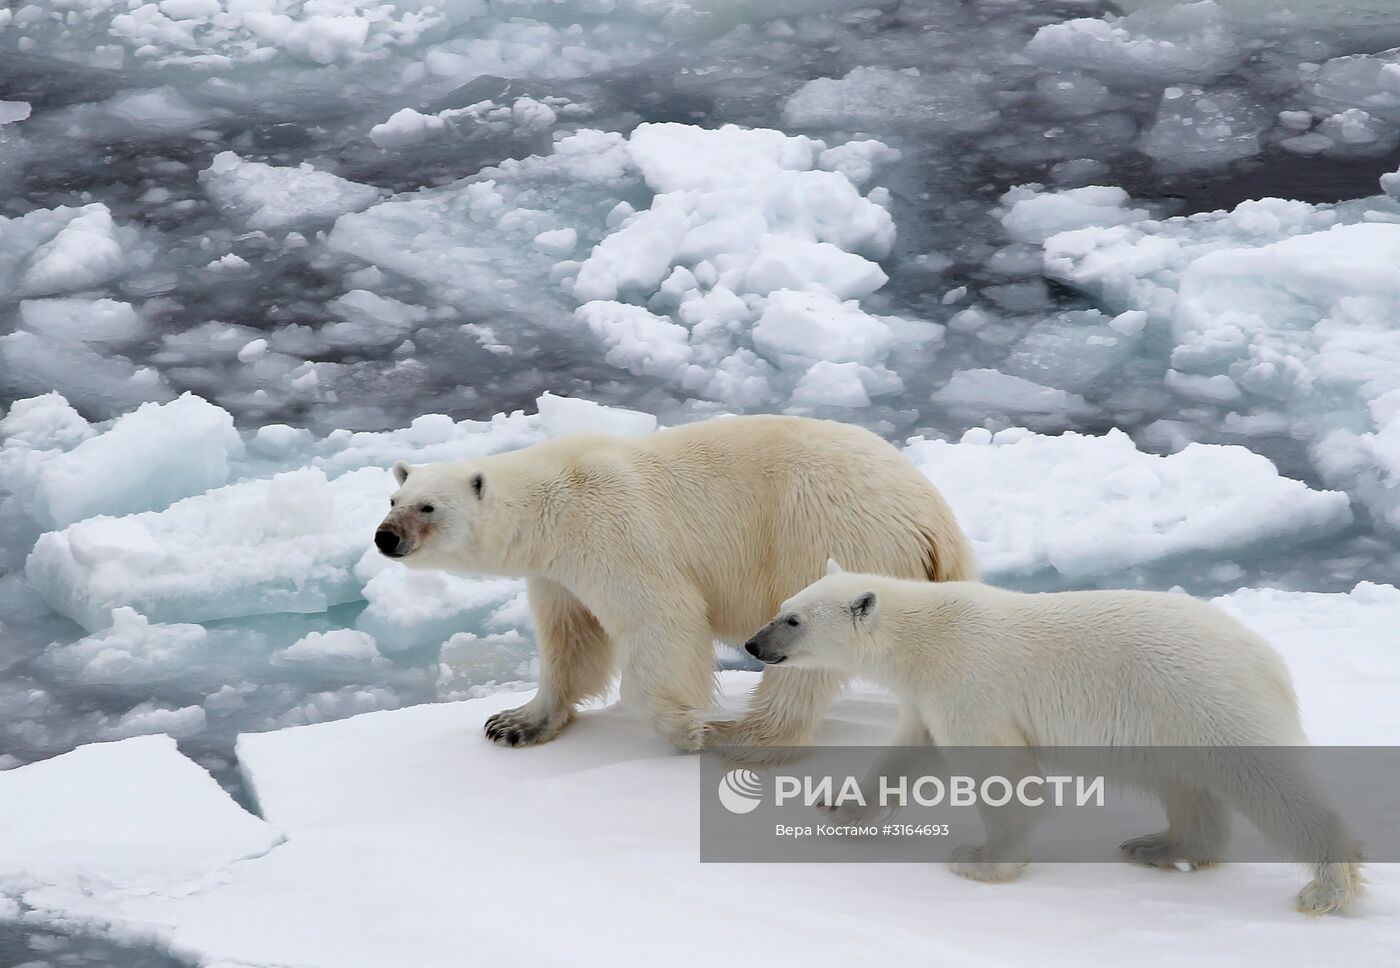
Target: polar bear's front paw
522, 726
967, 862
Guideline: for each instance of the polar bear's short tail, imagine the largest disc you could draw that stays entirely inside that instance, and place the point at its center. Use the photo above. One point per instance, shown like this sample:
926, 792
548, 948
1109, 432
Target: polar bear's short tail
948, 553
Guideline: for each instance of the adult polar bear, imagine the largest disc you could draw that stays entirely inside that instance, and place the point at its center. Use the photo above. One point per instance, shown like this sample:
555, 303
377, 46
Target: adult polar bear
641, 552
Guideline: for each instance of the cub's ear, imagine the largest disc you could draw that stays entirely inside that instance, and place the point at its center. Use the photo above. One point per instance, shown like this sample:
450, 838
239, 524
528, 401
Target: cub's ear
863, 607
832, 568
401, 469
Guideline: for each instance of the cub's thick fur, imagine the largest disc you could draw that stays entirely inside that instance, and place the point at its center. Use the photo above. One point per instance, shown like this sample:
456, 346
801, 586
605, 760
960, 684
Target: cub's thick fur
641, 552
978, 666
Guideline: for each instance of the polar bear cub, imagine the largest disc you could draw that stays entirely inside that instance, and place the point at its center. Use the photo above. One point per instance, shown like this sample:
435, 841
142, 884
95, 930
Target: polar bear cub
974, 665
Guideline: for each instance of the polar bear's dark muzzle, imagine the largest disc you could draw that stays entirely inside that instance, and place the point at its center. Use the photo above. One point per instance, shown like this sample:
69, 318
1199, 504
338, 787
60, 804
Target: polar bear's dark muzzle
764, 649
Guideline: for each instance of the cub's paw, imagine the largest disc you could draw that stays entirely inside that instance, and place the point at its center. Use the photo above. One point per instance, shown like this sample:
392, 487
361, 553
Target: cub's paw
1163, 852
522, 727
1334, 889
967, 862
1152, 850
847, 813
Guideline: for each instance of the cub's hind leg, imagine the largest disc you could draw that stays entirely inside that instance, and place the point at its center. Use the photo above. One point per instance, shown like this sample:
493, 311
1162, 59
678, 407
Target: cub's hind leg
1198, 830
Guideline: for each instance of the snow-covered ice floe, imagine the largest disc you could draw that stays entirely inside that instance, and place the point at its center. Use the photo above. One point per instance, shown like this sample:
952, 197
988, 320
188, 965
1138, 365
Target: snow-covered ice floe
1279, 316
405, 837
77, 823
1082, 506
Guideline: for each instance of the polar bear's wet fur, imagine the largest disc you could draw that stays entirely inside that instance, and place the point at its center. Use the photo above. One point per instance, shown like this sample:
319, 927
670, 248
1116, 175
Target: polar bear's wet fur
641, 552
974, 665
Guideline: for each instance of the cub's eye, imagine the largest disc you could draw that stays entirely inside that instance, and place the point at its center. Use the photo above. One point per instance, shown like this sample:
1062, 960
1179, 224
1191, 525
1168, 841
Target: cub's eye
392, 502
426, 508
792, 620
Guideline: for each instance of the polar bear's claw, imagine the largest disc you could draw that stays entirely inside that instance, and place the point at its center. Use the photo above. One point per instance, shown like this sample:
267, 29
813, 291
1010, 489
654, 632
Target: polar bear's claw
521, 727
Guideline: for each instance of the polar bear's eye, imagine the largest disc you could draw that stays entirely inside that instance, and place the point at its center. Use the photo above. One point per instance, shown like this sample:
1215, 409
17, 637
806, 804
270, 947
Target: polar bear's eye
426, 508
792, 620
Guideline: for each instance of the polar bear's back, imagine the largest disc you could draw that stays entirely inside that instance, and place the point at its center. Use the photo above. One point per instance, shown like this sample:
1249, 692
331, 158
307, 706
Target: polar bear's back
751, 508
1179, 671
1129, 668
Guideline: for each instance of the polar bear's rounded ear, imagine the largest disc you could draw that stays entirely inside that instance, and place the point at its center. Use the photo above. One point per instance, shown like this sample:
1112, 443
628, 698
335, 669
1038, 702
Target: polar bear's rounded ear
864, 606
401, 469
832, 568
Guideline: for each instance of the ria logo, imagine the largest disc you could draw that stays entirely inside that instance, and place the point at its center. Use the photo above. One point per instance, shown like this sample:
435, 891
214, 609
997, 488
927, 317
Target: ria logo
741, 791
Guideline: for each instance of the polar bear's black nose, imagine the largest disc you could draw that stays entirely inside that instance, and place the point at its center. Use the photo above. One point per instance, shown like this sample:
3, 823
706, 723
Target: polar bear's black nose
386, 541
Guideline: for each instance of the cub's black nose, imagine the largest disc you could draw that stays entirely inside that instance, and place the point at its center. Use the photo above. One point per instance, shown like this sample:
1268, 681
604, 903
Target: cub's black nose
756, 649
386, 541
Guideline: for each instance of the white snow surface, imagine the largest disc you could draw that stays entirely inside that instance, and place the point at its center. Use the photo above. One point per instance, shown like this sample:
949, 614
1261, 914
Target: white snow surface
406, 832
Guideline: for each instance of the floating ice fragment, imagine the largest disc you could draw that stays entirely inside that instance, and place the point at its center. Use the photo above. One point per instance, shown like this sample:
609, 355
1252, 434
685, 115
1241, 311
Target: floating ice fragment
330, 648
286, 544
573, 415
1177, 42
44, 423
12, 111
63, 249
150, 717
133, 651
1033, 215
147, 460
266, 197
88, 320
817, 326
832, 385
1081, 506
992, 392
